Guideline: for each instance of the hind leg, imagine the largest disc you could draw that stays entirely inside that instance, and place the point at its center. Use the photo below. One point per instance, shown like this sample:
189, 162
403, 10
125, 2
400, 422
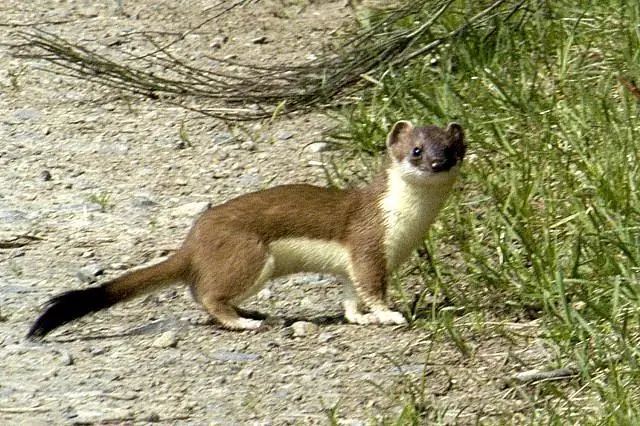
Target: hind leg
228, 272
227, 316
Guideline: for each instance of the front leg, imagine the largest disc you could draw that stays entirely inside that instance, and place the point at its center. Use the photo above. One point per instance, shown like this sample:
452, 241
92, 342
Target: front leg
369, 285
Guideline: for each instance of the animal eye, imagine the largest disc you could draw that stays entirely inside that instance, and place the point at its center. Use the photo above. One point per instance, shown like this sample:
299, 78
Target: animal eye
416, 152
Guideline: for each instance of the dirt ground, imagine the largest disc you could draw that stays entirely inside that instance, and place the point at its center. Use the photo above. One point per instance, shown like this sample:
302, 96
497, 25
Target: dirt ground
91, 180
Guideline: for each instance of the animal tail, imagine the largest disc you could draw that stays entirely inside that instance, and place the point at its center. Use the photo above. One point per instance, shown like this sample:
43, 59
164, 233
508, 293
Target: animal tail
74, 304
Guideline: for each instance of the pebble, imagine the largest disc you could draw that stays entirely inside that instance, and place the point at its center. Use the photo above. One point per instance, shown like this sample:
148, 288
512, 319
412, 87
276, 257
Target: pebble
168, 339
260, 40
326, 337
319, 147
190, 209
220, 173
218, 41
66, 358
45, 176
283, 135
220, 380
303, 328
89, 273
264, 294
248, 146
245, 373
117, 149
153, 417
223, 138
307, 304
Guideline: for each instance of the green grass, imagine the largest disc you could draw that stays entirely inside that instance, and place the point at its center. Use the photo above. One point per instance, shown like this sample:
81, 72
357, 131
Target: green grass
546, 225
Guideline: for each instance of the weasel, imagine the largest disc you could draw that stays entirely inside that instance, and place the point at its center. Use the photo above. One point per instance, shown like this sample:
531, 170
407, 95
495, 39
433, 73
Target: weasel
360, 234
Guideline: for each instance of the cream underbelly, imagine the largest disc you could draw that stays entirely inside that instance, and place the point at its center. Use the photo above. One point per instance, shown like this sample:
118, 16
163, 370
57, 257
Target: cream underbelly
293, 255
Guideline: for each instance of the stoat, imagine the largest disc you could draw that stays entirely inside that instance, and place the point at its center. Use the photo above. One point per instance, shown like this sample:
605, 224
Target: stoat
359, 234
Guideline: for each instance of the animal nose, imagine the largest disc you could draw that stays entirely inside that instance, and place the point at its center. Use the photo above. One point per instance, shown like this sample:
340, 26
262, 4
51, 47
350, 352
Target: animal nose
442, 165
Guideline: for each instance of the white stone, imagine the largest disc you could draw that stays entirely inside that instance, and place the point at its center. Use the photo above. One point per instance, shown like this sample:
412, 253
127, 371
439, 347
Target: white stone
190, 209
303, 328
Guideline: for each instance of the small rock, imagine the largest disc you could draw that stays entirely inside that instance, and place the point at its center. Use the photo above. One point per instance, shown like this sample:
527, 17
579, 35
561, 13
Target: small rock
119, 266
303, 328
181, 182
236, 166
248, 146
87, 254
245, 373
45, 176
181, 144
95, 351
264, 294
260, 40
66, 358
190, 209
249, 180
220, 173
326, 337
307, 304
319, 147
89, 273
152, 418
223, 138
218, 41
283, 136
168, 339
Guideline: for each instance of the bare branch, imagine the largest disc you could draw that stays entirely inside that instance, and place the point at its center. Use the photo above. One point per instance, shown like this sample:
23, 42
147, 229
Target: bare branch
245, 91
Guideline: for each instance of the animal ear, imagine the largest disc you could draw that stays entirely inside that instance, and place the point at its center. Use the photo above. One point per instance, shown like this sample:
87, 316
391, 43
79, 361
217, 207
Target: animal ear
455, 132
399, 129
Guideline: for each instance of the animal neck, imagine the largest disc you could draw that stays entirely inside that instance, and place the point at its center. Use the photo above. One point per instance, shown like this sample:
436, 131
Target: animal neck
408, 208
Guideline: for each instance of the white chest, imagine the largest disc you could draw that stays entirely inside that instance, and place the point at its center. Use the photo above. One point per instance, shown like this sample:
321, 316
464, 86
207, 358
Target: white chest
408, 211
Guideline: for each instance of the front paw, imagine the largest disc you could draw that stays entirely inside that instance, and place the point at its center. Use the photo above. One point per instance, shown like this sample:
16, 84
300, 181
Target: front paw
389, 317
386, 317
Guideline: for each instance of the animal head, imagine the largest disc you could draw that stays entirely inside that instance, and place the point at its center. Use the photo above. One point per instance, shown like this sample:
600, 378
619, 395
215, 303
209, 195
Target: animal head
426, 155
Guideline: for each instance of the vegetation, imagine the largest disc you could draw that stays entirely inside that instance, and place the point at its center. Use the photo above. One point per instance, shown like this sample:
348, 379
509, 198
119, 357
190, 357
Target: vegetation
547, 224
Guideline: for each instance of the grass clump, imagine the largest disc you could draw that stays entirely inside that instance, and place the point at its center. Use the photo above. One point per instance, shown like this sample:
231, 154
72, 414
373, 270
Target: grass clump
547, 225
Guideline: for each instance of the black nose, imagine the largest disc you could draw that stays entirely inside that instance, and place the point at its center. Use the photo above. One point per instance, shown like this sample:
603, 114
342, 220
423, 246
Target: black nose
442, 165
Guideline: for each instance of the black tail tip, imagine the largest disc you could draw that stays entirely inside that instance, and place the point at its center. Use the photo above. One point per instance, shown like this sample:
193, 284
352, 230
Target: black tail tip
37, 332
67, 307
